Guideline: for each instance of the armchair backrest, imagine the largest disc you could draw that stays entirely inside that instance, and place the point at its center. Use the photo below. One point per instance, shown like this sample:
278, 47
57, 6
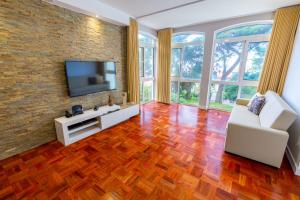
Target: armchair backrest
276, 113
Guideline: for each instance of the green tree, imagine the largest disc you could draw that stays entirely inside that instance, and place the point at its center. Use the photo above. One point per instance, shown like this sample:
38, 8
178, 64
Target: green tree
230, 92
228, 57
256, 55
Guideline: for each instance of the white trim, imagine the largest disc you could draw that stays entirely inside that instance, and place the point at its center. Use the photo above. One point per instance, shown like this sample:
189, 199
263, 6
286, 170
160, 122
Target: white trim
244, 24
188, 32
250, 38
293, 163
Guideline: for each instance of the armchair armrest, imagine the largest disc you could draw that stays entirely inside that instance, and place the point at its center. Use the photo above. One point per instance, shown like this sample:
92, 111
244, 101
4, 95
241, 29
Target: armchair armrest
262, 144
242, 102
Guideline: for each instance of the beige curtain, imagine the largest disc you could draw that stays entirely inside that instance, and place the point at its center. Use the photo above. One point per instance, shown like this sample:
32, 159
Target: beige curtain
280, 49
133, 62
164, 65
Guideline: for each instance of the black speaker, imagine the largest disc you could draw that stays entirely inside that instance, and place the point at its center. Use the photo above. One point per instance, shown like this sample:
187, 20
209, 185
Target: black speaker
77, 110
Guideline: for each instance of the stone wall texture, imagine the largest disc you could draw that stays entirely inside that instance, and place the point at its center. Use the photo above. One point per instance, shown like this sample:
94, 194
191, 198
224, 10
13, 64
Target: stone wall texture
35, 40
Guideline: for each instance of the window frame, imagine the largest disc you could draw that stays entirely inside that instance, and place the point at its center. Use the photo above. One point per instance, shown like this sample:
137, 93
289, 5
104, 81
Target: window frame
153, 78
246, 40
180, 79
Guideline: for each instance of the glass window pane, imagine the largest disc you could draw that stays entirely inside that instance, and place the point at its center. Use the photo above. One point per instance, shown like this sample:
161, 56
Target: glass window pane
192, 62
174, 91
186, 38
146, 40
176, 60
247, 92
141, 61
227, 60
141, 92
149, 62
256, 29
148, 91
255, 60
223, 96
189, 93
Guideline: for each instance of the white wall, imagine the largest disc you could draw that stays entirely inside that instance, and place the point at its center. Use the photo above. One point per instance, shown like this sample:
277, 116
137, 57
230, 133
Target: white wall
209, 30
146, 29
291, 94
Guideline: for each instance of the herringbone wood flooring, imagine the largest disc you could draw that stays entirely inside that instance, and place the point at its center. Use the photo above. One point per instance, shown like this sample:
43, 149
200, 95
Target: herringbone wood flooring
168, 152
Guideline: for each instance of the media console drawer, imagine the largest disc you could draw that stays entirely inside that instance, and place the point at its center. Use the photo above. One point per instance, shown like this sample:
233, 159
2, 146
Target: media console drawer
116, 117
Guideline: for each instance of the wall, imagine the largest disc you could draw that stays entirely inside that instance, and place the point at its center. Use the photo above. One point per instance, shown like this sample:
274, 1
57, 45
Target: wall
209, 30
36, 38
148, 30
292, 95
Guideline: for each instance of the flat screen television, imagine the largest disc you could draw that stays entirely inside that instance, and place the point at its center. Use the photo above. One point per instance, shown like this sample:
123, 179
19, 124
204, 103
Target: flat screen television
86, 77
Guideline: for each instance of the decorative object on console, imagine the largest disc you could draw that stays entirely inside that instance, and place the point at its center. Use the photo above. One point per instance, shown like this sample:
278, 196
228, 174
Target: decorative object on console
96, 108
68, 114
77, 110
110, 101
124, 98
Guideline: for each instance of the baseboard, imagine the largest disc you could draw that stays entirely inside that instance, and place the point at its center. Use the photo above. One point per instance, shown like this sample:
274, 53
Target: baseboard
203, 107
295, 167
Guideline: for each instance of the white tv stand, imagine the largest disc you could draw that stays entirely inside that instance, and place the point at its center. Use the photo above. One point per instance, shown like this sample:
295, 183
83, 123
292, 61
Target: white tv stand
73, 129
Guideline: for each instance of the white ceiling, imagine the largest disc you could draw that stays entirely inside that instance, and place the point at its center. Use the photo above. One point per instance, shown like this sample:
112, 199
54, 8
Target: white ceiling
201, 12
138, 8
158, 14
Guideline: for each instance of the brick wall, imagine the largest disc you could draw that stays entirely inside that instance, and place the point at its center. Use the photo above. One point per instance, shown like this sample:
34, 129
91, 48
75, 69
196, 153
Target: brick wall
35, 40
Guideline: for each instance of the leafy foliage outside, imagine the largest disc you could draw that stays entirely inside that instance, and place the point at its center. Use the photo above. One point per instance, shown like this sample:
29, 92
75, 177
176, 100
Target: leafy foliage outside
247, 92
146, 91
187, 63
146, 40
256, 29
189, 93
174, 91
187, 38
227, 61
255, 60
192, 62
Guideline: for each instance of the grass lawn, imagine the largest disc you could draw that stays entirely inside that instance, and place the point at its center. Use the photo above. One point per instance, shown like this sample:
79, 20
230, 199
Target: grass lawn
192, 101
220, 106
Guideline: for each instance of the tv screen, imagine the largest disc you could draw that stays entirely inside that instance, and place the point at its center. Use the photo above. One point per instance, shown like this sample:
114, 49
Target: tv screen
86, 77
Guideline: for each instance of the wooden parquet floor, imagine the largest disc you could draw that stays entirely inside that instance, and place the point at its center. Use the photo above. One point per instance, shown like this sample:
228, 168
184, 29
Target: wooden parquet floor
168, 152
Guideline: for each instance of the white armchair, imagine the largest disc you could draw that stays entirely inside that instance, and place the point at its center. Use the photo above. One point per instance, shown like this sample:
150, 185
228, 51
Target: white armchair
262, 138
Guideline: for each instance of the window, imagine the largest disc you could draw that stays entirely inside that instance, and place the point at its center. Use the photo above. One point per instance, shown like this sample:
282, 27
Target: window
147, 51
238, 59
186, 68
